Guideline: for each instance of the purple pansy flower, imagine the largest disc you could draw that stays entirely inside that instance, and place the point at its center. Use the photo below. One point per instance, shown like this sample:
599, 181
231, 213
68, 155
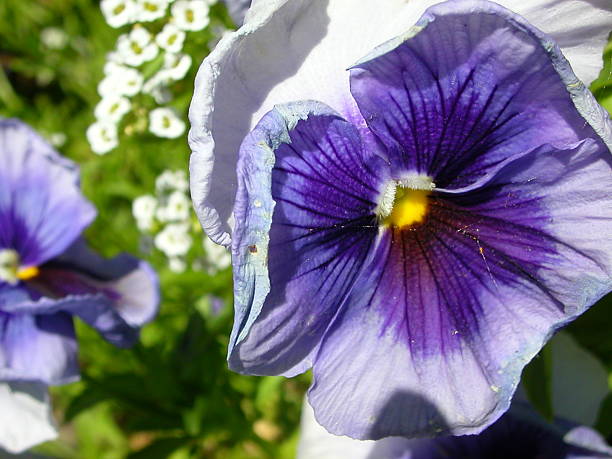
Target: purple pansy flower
48, 275
419, 242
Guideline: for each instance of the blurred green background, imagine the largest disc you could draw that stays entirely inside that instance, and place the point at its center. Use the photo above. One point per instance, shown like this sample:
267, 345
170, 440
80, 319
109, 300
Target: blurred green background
171, 395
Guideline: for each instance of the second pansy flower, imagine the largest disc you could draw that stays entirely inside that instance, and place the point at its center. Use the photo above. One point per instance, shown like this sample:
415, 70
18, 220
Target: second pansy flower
48, 276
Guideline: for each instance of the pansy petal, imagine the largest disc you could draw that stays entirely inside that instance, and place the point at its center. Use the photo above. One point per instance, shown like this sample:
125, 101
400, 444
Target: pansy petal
91, 304
470, 86
587, 444
286, 51
134, 282
26, 419
439, 327
38, 348
304, 224
42, 210
580, 28
299, 50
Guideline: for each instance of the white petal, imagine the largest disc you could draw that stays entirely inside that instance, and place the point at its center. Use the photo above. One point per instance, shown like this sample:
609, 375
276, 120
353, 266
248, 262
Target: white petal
25, 418
579, 383
291, 50
580, 28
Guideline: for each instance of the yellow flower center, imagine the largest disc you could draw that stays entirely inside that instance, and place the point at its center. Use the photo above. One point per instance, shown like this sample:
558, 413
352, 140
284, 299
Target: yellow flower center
405, 202
409, 207
28, 273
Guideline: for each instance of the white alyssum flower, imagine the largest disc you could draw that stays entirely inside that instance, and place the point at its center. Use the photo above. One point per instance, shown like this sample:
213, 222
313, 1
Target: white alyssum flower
158, 90
176, 65
177, 207
143, 210
54, 38
163, 122
113, 65
150, 10
157, 87
112, 108
122, 81
172, 180
171, 38
102, 136
190, 14
174, 240
217, 256
113, 59
177, 264
161, 214
175, 68
137, 47
57, 139
118, 12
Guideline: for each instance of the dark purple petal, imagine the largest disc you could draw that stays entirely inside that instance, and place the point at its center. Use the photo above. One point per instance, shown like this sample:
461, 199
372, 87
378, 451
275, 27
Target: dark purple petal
469, 87
38, 348
449, 312
304, 225
520, 433
42, 210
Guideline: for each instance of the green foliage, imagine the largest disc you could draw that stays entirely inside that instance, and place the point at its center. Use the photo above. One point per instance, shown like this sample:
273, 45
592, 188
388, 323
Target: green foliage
602, 87
537, 381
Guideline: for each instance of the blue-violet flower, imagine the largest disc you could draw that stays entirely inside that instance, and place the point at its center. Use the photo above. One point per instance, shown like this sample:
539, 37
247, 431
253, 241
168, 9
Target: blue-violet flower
417, 232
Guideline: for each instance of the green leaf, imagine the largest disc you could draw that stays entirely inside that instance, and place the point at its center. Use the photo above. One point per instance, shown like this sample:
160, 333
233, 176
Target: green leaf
537, 381
604, 420
592, 330
88, 398
160, 449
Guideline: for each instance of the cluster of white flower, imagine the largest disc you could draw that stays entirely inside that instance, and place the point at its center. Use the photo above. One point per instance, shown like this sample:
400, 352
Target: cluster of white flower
167, 218
157, 39
188, 14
